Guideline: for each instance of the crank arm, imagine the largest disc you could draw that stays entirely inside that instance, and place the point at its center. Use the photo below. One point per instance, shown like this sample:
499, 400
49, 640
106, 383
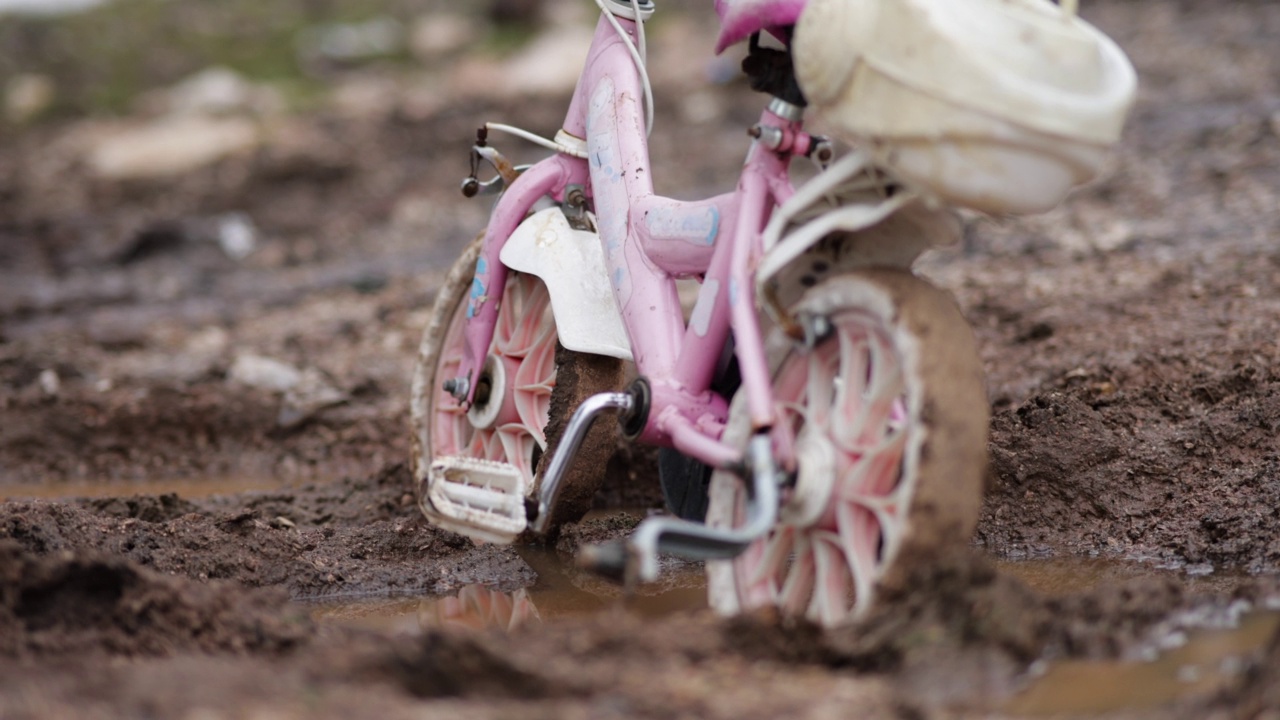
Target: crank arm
637, 557
572, 439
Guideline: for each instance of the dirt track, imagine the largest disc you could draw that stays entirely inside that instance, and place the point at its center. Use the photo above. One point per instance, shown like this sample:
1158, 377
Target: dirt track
1129, 340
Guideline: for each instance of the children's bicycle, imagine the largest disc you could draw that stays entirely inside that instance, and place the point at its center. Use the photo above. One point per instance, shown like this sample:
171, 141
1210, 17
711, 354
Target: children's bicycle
820, 410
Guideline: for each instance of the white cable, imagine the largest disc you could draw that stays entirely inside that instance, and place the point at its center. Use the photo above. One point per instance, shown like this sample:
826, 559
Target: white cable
635, 57
535, 139
644, 50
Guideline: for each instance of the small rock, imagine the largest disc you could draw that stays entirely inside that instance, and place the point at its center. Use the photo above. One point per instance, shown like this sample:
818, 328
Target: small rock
208, 342
296, 150
264, 373
46, 7
170, 146
1188, 674
236, 235
50, 383
312, 393
441, 33
213, 91
363, 97
117, 331
700, 108
26, 97
550, 64
347, 42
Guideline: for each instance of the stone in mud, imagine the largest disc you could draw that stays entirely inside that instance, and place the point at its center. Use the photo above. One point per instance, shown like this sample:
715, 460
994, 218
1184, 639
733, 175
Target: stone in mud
170, 146
28, 96
313, 392
264, 373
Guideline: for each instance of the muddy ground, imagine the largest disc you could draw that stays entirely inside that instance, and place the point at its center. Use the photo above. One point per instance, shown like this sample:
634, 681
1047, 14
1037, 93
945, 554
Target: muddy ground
1129, 340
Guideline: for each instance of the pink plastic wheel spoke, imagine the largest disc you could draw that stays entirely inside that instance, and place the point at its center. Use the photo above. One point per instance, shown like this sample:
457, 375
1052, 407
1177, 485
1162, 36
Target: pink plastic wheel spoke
859, 539
524, 339
798, 586
528, 321
534, 382
770, 559
876, 472
517, 448
819, 388
831, 597
848, 403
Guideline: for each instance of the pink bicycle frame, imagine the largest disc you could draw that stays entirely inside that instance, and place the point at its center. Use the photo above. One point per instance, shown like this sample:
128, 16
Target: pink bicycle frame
649, 241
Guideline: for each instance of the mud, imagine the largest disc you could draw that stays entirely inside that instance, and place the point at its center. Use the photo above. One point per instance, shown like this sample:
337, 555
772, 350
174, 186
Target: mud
1129, 341
353, 538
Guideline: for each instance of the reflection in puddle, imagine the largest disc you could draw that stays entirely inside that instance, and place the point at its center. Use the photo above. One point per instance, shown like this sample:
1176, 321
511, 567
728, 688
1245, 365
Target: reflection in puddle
1209, 661
189, 488
478, 607
475, 607
561, 591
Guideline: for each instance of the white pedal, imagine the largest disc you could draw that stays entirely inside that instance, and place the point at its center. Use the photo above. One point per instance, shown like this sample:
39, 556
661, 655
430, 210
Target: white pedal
481, 499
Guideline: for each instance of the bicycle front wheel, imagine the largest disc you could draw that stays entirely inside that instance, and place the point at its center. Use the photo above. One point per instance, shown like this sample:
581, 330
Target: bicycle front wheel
889, 414
529, 387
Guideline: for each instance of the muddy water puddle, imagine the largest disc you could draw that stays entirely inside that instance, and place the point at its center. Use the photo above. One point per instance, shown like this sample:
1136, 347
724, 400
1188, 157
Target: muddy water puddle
1206, 661
1206, 653
561, 591
1182, 664
1055, 577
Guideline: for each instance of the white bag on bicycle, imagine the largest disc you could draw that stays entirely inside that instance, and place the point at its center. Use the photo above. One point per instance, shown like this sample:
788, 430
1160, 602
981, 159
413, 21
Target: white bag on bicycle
997, 105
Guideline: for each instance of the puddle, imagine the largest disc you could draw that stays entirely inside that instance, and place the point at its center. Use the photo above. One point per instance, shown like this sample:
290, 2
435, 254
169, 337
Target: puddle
189, 488
561, 591
1211, 660
475, 607
1056, 577
1195, 662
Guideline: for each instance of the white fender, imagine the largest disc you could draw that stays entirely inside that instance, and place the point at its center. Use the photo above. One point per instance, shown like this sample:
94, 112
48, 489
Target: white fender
571, 263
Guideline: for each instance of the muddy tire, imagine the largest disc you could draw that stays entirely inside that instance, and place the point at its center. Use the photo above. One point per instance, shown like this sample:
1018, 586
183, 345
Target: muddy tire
545, 384
890, 417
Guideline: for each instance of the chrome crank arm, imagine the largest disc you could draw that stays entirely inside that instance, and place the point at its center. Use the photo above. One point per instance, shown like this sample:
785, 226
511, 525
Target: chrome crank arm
637, 558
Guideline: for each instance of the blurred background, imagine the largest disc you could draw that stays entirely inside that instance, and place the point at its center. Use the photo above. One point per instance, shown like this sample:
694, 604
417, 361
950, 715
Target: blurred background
222, 222
245, 207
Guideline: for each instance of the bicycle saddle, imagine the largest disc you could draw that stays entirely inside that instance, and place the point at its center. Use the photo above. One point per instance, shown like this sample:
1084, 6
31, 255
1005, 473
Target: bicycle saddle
740, 19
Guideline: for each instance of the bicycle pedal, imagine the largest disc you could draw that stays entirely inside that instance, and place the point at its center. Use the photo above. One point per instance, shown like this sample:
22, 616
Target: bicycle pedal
481, 499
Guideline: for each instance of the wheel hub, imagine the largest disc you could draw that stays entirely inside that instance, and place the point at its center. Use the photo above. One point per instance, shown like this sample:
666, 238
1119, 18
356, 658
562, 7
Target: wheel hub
815, 480
493, 399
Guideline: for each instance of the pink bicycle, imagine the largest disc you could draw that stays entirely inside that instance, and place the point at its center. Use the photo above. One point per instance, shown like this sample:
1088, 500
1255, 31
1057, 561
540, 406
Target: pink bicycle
821, 409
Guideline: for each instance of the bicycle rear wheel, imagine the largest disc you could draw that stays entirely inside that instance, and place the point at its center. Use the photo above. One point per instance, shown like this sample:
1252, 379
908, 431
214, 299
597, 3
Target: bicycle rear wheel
890, 418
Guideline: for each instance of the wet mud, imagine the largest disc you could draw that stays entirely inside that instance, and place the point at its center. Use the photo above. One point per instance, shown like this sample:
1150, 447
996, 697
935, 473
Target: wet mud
1129, 340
